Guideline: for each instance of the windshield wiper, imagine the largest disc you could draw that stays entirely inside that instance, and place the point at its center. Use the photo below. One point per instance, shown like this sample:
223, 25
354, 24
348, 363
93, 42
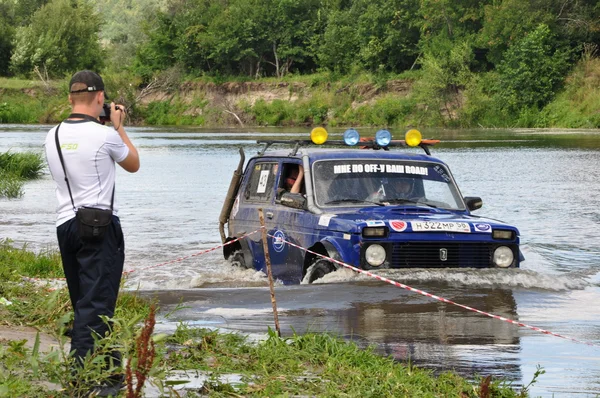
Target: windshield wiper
404, 201
348, 200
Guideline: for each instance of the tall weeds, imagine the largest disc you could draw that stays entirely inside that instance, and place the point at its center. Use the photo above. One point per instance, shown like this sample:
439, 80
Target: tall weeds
15, 169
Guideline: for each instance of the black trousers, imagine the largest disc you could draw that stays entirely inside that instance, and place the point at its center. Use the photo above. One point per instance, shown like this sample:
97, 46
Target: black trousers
93, 272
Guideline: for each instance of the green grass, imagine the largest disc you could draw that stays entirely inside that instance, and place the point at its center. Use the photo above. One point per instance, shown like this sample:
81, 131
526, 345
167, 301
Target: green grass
15, 169
21, 84
11, 186
25, 165
578, 105
21, 261
310, 364
324, 98
313, 365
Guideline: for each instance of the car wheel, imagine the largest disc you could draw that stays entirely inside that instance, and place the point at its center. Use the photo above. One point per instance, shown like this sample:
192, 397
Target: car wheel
237, 259
318, 269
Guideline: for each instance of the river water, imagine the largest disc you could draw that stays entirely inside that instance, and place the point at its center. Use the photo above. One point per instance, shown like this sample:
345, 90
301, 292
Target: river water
547, 183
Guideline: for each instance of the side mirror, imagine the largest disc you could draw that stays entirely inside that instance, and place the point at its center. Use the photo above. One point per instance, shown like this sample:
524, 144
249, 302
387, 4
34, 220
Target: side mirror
473, 202
293, 200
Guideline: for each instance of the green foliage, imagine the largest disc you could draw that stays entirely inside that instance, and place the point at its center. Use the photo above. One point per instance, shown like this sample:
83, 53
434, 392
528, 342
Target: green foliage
271, 114
374, 36
7, 33
26, 165
171, 112
310, 364
15, 261
122, 29
385, 112
61, 38
14, 362
439, 88
449, 20
531, 71
11, 186
11, 112
577, 105
15, 168
313, 364
509, 21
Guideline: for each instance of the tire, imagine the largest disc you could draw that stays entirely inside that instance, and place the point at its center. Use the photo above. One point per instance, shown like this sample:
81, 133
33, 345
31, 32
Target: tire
318, 269
237, 260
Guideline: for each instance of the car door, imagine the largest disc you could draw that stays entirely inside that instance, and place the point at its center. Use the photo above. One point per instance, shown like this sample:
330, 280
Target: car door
290, 224
257, 192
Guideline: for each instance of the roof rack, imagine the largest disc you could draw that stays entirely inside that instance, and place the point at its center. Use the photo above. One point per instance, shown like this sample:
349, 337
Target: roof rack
425, 144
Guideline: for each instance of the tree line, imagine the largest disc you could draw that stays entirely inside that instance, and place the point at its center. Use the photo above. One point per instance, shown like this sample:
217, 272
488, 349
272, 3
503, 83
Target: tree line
514, 53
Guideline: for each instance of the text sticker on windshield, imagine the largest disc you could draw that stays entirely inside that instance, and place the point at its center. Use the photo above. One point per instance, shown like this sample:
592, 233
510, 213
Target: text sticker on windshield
379, 168
442, 173
262, 182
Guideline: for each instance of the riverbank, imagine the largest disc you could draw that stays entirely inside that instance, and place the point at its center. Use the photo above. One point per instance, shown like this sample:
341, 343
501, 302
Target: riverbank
34, 365
318, 99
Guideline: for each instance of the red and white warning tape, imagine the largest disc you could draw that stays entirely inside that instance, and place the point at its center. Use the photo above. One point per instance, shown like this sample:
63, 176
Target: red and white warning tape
381, 278
193, 255
444, 300
125, 273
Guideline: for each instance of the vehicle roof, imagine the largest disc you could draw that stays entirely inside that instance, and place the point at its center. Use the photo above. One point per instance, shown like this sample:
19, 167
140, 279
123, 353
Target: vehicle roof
315, 154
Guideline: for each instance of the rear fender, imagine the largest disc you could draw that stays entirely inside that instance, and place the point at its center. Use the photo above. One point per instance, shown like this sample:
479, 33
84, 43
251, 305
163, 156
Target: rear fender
325, 248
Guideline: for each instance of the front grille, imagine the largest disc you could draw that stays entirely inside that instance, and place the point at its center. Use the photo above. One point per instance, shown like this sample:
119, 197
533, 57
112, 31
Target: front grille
432, 255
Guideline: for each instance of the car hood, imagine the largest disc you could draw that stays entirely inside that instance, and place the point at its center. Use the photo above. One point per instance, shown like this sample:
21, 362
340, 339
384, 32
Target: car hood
407, 219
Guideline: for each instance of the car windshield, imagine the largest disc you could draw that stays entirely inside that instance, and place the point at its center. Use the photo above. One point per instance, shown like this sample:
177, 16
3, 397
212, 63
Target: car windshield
377, 182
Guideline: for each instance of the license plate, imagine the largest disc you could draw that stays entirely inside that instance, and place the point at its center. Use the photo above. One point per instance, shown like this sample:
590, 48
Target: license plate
433, 226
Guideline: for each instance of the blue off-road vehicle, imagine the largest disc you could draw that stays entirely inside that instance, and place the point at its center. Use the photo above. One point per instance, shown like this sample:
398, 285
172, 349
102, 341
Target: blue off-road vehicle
370, 206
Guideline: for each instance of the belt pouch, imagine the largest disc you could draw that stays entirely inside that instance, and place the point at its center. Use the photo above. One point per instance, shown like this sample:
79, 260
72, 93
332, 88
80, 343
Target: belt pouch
92, 223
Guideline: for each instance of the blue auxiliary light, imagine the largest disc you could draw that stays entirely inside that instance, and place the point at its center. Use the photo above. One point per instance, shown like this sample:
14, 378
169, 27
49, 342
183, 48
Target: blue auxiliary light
383, 137
351, 137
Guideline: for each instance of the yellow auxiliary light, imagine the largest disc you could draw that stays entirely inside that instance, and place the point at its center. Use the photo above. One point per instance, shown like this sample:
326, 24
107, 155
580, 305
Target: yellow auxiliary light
413, 137
318, 135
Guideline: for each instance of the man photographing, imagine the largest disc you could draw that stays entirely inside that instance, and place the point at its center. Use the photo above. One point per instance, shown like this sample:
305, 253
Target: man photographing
81, 155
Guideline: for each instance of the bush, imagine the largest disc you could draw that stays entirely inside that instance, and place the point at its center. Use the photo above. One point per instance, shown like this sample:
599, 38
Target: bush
170, 113
577, 106
388, 111
271, 114
533, 69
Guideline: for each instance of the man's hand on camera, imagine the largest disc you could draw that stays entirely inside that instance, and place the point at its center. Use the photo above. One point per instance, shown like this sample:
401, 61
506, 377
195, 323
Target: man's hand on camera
117, 115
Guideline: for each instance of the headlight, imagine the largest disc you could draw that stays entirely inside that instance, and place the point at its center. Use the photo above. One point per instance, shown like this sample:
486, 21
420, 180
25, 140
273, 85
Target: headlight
375, 255
351, 137
503, 257
374, 232
503, 234
383, 137
318, 135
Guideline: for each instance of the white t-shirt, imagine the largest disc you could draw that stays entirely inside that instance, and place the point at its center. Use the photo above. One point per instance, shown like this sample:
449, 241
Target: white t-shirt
90, 151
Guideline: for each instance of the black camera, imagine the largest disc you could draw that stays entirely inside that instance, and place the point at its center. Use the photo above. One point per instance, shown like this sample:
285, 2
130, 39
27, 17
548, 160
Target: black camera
105, 114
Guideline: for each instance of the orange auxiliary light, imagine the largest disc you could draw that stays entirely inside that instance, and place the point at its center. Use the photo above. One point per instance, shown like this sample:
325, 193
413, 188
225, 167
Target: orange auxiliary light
413, 137
318, 135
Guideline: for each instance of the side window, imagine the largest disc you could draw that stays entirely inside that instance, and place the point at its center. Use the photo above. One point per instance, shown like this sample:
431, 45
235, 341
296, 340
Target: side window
262, 180
292, 178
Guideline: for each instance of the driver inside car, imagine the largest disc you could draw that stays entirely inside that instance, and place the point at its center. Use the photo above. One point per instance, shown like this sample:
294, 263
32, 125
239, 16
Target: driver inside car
395, 189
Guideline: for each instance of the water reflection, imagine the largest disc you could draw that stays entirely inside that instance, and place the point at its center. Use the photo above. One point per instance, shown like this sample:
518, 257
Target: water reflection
406, 326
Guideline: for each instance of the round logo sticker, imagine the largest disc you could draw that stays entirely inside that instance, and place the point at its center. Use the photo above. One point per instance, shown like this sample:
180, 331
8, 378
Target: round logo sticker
398, 225
278, 241
482, 227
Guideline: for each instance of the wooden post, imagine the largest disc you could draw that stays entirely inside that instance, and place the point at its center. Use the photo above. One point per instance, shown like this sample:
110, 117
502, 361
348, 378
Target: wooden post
261, 218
